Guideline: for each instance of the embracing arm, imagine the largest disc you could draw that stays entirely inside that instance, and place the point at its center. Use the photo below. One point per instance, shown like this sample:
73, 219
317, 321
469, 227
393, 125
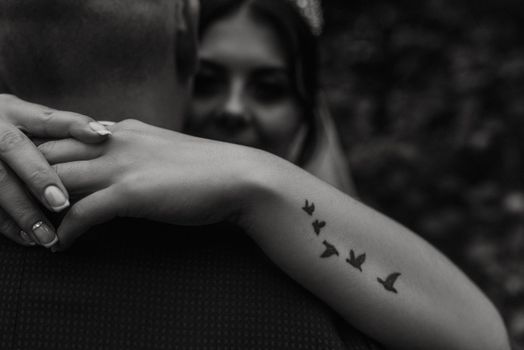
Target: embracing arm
378, 275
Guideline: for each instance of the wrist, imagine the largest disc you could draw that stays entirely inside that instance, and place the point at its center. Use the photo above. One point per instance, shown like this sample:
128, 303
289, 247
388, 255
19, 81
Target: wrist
263, 179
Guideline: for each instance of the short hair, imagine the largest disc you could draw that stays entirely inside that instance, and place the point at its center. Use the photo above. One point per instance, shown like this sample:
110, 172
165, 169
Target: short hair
54, 47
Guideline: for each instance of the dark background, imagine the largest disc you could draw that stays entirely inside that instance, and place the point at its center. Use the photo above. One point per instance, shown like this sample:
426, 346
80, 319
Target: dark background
428, 97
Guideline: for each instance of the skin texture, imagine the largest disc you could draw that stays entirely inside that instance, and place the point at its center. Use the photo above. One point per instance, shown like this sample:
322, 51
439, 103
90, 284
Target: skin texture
109, 177
243, 92
22, 166
395, 287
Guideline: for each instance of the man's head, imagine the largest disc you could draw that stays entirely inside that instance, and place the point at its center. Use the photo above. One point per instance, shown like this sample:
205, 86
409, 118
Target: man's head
111, 59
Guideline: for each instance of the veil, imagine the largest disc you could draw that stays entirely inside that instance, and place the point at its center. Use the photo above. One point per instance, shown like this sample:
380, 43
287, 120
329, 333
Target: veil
328, 161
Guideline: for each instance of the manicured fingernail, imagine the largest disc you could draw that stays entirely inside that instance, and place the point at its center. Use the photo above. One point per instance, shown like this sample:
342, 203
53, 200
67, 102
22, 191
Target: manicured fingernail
27, 239
100, 129
45, 235
106, 123
56, 198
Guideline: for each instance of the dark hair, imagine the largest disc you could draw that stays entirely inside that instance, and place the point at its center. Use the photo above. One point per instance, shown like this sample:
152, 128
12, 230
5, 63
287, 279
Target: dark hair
299, 43
58, 47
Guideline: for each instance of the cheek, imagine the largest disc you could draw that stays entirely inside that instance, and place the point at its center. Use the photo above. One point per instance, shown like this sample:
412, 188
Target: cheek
279, 125
201, 110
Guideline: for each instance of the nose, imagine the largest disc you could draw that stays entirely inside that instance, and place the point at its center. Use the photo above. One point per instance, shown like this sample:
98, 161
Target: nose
235, 112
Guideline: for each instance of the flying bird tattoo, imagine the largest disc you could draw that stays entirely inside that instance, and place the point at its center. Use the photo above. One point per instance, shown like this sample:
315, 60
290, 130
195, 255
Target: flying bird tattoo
309, 208
330, 250
318, 226
356, 261
389, 282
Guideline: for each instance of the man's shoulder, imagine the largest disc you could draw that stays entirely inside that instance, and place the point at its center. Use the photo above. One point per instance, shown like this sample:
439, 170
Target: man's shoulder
138, 285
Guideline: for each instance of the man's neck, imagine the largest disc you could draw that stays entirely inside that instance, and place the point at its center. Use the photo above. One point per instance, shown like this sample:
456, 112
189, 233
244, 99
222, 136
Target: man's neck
160, 102
109, 59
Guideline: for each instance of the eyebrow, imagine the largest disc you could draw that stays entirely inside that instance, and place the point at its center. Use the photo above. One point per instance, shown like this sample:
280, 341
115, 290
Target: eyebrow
275, 73
210, 64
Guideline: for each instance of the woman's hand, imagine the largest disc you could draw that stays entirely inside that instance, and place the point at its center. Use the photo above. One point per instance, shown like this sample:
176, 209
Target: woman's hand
24, 170
148, 172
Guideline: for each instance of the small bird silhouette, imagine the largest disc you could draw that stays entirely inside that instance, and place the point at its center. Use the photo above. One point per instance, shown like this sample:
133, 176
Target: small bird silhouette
309, 208
389, 282
330, 250
318, 225
356, 261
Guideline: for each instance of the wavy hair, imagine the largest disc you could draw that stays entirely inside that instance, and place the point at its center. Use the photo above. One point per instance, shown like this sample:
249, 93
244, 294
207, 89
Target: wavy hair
299, 43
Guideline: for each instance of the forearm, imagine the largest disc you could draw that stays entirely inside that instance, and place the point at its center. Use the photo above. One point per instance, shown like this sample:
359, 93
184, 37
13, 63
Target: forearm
309, 229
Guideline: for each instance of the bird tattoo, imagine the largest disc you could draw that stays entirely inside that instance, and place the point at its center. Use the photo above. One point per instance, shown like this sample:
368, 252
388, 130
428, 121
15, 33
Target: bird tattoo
318, 226
330, 250
389, 282
356, 261
309, 208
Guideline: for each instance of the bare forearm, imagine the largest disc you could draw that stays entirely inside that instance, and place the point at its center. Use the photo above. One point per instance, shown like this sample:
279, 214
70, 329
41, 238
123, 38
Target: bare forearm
378, 275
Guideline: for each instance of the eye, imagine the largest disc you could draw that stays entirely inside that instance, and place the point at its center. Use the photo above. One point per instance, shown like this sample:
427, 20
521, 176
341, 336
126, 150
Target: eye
208, 84
270, 90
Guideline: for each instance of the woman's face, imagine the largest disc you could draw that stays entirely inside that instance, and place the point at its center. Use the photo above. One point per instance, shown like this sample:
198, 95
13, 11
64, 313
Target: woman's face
243, 93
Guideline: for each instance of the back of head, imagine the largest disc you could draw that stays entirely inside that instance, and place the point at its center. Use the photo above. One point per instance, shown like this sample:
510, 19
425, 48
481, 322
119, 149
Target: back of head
57, 50
65, 46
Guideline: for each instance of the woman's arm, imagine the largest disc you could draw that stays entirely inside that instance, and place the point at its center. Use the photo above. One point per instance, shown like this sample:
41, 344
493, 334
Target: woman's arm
378, 275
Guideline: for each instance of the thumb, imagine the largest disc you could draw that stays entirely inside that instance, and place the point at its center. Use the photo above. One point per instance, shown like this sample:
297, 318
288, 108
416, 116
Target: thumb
95, 209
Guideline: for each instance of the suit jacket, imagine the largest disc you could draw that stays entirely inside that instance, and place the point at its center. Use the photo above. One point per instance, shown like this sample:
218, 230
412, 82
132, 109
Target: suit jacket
141, 285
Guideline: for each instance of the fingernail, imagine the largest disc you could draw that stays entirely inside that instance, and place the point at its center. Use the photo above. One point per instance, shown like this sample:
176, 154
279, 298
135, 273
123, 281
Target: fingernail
99, 129
106, 123
27, 239
45, 235
56, 198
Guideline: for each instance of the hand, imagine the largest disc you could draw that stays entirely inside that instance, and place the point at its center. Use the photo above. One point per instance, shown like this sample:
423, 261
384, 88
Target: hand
148, 172
23, 169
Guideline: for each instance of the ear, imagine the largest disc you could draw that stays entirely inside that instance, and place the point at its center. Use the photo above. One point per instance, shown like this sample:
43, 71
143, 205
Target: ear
186, 45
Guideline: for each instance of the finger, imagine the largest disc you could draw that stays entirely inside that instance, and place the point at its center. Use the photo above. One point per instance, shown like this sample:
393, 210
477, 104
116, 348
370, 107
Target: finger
12, 231
37, 141
69, 150
20, 155
106, 123
42, 121
98, 208
21, 213
82, 177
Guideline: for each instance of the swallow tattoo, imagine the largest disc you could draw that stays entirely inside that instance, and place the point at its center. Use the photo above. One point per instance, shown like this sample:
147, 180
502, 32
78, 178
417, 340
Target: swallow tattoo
356, 261
309, 208
389, 282
330, 250
318, 226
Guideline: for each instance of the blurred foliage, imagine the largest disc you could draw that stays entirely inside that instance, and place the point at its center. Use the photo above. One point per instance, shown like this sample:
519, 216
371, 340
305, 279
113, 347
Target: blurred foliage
429, 100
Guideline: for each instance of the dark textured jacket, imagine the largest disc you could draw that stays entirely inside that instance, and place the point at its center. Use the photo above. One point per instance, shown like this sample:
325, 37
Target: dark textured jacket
140, 285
